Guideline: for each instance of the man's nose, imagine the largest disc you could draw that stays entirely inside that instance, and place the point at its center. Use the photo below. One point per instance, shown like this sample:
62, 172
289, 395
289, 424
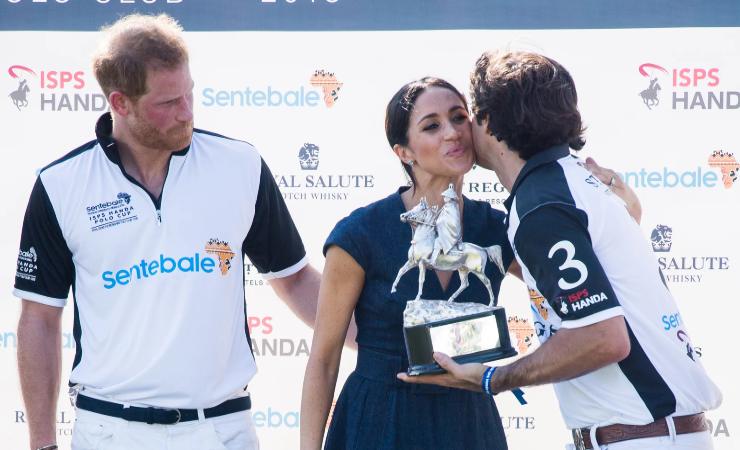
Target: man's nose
185, 114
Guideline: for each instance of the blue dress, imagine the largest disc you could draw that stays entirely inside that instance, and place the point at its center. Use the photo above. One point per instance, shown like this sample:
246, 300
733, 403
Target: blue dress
375, 410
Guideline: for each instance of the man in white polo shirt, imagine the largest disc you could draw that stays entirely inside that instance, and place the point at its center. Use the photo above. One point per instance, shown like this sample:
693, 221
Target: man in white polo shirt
149, 223
621, 380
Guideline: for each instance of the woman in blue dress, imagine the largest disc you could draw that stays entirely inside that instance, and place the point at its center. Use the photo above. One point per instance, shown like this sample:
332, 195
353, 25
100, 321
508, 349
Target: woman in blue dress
428, 128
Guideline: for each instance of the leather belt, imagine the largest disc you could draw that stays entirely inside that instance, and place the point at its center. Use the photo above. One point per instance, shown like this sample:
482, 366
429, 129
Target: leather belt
618, 432
161, 416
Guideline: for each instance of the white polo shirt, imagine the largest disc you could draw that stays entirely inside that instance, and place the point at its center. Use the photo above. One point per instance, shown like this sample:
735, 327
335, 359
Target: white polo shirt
158, 283
580, 249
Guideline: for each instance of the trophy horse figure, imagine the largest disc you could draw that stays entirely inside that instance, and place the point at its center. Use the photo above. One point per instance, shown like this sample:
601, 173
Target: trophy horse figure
437, 243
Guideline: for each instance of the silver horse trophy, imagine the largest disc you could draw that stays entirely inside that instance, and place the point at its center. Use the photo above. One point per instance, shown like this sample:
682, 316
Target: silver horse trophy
469, 332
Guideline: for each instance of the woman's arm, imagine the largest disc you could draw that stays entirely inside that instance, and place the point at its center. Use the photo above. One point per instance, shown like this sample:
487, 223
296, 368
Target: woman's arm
341, 284
618, 186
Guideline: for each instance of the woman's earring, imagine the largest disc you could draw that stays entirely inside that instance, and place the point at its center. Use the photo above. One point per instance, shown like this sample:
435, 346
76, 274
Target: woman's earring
410, 162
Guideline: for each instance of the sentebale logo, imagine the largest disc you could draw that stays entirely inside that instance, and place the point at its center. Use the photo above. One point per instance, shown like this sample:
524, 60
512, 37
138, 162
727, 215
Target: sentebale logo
301, 96
522, 332
165, 264
728, 166
329, 84
670, 177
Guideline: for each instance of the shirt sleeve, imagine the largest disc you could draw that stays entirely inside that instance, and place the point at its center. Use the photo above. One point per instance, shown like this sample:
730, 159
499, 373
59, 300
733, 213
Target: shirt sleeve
554, 245
348, 234
45, 268
273, 243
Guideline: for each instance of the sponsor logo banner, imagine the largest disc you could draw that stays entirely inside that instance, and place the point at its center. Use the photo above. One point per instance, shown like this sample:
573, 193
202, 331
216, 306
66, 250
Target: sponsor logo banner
51, 90
687, 88
320, 88
677, 267
165, 264
701, 177
314, 184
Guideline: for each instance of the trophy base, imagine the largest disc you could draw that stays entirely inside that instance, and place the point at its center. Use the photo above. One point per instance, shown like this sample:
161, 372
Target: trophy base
479, 337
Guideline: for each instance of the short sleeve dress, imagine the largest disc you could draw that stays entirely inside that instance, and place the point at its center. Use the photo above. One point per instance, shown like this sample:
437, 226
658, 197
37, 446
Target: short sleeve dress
375, 410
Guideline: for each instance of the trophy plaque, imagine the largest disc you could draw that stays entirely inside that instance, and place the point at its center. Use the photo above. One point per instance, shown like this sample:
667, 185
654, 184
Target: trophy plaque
466, 331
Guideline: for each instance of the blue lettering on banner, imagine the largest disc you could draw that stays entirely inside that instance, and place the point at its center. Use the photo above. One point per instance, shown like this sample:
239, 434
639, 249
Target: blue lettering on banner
668, 178
671, 321
9, 339
276, 419
258, 98
165, 264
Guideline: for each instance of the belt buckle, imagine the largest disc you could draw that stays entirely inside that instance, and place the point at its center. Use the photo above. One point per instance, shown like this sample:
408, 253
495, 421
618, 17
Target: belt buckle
578, 439
179, 416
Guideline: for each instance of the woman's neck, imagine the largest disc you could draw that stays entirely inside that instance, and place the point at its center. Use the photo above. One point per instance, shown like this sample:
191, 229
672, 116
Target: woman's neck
431, 188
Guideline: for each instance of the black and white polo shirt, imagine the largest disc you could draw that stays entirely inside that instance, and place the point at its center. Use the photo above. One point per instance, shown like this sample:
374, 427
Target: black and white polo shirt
158, 283
580, 249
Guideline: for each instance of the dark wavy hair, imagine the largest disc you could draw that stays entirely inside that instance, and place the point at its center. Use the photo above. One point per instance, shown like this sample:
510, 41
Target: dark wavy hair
399, 109
530, 101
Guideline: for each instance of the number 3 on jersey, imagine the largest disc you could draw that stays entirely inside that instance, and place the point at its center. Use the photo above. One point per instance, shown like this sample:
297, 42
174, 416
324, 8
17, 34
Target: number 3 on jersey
569, 263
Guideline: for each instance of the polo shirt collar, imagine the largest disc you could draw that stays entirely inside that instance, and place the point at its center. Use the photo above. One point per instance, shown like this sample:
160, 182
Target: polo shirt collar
540, 159
104, 131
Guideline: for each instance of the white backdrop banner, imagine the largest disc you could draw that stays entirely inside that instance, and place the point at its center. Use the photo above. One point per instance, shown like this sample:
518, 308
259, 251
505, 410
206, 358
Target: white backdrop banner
324, 92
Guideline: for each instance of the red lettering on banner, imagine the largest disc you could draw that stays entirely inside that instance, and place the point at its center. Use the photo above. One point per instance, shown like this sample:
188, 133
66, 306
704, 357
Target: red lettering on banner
695, 77
261, 324
53, 79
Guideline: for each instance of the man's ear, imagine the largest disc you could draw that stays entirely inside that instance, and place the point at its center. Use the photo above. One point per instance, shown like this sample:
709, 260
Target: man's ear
119, 103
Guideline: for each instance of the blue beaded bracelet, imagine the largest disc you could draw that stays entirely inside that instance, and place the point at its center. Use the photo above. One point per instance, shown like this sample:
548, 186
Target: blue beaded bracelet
486, 381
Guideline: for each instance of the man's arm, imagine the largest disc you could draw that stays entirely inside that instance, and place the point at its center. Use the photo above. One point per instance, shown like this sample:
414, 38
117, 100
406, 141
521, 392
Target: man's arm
300, 292
39, 364
570, 353
554, 245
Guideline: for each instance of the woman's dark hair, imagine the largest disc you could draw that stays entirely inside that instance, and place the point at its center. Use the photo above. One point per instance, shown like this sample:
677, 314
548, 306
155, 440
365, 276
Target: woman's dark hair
530, 101
399, 109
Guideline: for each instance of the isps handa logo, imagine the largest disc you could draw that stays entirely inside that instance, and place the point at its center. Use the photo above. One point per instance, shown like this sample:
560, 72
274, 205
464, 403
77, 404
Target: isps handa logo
163, 265
678, 267
312, 184
51, 90
685, 88
322, 87
692, 178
